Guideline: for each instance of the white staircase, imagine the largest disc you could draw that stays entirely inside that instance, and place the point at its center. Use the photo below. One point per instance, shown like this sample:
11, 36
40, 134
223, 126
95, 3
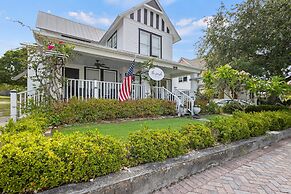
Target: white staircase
186, 100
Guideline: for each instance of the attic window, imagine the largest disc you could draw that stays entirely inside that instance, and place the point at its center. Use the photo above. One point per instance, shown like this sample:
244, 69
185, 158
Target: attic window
145, 19
163, 25
152, 19
132, 16
168, 31
157, 21
139, 15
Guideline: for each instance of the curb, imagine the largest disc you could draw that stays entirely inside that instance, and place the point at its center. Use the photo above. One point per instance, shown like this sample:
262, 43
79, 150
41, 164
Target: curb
150, 177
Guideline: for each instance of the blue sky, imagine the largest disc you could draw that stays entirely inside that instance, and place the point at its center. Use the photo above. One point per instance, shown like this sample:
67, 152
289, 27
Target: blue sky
187, 15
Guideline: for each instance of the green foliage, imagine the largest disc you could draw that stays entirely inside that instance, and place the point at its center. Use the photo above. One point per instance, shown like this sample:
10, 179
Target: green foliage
199, 136
155, 145
50, 57
12, 63
212, 108
243, 125
8, 87
239, 37
230, 129
31, 162
232, 107
31, 123
93, 110
260, 108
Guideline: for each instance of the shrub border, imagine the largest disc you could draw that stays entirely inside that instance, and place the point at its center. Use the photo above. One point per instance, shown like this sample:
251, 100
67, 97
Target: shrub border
149, 177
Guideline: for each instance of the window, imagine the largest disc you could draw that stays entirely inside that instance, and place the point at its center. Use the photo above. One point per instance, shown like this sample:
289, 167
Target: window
138, 15
145, 17
157, 21
150, 44
156, 46
112, 42
183, 79
168, 31
152, 19
163, 25
132, 16
144, 43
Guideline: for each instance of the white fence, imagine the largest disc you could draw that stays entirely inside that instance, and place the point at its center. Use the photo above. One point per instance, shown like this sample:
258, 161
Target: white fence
20, 102
86, 89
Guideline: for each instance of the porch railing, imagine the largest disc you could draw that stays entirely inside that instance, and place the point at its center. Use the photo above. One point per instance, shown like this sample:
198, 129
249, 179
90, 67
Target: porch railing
20, 102
186, 100
86, 89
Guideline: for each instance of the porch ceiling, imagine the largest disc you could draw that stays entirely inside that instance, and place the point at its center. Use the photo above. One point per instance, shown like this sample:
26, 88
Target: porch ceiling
113, 63
171, 68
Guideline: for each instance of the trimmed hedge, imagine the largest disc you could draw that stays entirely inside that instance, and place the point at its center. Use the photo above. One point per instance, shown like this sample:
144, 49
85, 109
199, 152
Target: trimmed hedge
93, 110
260, 108
155, 145
32, 123
198, 136
243, 125
31, 162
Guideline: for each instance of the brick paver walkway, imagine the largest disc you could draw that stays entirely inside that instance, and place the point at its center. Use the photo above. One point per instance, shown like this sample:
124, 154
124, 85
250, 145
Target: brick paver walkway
263, 171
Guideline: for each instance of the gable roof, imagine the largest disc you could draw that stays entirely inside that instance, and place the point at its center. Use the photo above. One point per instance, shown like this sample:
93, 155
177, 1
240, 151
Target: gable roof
197, 63
46, 21
152, 3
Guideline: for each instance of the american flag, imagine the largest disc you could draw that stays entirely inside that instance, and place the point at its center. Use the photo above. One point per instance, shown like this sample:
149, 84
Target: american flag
125, 90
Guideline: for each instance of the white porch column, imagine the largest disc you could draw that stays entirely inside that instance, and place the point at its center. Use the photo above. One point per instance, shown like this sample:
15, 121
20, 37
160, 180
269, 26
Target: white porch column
13, 105
194, 84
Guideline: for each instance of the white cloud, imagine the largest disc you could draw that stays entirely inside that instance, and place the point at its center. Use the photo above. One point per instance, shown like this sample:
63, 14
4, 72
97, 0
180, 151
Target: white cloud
90, 18
188, 26
184, 22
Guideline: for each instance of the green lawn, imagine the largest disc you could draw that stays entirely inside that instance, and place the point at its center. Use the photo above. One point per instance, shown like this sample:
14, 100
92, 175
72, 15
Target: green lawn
122, 129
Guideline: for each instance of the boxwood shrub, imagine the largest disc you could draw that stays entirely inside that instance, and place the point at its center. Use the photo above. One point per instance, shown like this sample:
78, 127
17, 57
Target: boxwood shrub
198, 136
32, 123
149, 145
31, 162
93, 110
230, 129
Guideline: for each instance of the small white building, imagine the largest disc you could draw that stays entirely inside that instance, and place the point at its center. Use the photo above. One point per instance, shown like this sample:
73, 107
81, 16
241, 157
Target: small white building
103, 57
193, 81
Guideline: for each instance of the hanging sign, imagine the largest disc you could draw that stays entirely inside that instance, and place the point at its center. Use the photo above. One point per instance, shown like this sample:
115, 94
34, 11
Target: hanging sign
156, 74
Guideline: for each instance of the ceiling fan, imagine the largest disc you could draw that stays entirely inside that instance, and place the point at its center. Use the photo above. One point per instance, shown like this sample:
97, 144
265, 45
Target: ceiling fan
100, 65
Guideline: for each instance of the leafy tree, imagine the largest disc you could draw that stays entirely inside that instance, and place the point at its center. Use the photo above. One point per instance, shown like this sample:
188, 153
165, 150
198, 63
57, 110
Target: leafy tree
228, 81
253, 36
12, 63
48, 59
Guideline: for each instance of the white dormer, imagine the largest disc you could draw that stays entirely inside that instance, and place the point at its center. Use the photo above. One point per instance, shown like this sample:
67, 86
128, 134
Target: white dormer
145, 29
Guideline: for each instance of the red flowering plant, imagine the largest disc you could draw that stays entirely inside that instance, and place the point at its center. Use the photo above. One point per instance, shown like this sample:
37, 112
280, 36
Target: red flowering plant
47, 59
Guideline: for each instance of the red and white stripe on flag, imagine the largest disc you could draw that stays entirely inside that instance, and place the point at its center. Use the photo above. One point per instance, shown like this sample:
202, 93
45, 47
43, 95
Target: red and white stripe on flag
125, 90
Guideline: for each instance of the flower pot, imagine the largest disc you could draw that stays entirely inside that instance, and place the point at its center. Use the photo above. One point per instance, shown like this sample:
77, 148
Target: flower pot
196, 110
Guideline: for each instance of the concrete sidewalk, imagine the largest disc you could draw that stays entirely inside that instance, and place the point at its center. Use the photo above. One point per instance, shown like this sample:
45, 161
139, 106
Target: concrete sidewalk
263, 171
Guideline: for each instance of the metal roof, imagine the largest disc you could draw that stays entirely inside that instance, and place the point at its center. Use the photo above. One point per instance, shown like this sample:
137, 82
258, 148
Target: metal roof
46, 21
198, 63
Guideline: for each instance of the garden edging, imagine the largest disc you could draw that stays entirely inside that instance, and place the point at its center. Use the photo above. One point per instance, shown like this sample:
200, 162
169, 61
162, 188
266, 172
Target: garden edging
149, 177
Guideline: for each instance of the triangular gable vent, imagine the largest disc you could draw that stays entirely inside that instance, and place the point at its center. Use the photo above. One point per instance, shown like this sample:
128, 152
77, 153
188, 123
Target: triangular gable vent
154, 4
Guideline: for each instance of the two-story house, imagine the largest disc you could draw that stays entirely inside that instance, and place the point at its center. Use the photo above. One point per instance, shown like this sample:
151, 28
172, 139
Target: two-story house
103, 57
